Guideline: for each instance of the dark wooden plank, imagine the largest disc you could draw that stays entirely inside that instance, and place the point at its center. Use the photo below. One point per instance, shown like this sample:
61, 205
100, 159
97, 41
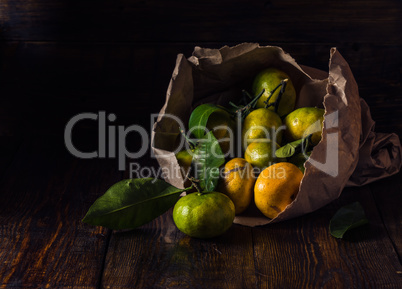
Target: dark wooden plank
301, 253
45, 194
387, 194
178, 21
157, 255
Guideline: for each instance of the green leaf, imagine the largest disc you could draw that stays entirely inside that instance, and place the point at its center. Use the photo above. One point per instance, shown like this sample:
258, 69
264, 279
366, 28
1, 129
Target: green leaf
131, 203
288, 149
347, 218
207, 159
306, 142
199, 119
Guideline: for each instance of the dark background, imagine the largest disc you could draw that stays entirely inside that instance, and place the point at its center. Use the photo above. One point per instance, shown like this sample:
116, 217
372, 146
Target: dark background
60, 58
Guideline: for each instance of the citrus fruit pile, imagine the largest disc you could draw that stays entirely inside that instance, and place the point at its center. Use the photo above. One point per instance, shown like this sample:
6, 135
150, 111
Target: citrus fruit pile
248, 153
274, 140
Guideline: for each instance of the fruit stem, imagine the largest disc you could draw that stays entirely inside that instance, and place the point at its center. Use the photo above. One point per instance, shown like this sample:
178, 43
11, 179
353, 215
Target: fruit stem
281, 92
271, 93
254, 101
189, 188
278, 99
233, 105
246, 97
195, 184
245, 110
191, 143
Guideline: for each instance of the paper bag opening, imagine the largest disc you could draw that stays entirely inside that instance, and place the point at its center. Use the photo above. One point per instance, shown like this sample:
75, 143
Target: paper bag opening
350, 152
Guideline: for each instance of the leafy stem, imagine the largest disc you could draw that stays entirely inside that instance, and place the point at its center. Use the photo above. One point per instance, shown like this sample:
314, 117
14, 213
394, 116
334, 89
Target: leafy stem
195, 183
207, 159
245, 110
275, 104
191, 143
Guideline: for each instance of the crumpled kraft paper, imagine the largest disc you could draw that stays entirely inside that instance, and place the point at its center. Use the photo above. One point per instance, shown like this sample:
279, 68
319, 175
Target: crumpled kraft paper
350, 153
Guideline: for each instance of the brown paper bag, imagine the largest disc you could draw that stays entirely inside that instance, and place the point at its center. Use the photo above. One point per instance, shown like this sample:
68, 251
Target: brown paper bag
349, 154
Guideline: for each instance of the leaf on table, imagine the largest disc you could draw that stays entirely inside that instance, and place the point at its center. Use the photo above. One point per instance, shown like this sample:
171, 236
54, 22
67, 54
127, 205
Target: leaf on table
199, 118
131, 203
346, 218
207, 159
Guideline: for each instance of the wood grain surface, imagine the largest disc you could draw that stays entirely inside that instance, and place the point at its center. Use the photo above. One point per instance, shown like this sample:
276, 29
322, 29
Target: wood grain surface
388, 198
81, 55
298, 253
45, 194
203, 21
60, 58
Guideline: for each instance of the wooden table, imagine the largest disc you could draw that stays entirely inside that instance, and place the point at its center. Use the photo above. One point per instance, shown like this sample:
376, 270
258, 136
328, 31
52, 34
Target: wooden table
60, 58
45, 192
